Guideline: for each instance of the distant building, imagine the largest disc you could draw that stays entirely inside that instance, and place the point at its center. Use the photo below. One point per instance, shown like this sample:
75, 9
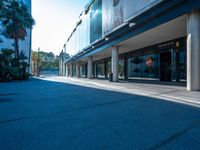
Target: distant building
137, 39
24, 46
63, 57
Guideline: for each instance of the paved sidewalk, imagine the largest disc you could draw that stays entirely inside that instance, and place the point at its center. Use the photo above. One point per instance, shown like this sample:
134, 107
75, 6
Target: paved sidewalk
167, 91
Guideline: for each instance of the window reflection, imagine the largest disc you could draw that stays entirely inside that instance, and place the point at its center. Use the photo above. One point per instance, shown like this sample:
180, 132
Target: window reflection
121, 68
143, 65
100, 70
182, 64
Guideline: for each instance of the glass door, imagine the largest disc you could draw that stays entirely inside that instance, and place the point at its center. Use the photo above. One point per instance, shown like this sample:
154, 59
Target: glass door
165, 66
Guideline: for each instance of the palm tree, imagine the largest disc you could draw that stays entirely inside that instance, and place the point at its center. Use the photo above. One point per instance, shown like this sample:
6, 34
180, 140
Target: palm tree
15, 21
6, 68
2, 6
3, 2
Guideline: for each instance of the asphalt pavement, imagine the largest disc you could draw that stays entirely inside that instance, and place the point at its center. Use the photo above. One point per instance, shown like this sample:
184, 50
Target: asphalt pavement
58, 113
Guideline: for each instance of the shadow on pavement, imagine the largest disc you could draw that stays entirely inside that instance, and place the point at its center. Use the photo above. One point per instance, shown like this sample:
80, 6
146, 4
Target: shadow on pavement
55, 115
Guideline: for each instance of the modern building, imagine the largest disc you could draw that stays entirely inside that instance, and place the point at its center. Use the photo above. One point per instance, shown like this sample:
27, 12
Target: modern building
137, 39
24, 46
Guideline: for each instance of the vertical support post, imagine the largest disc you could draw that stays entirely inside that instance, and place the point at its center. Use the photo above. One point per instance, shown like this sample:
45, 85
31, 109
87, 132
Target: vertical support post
64, 68
90, 67
78, 70
71, 70
193, 51
115, 62
67, 73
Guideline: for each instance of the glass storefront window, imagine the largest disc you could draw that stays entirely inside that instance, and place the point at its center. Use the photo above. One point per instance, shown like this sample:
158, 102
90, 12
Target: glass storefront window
74, 70
182, 64
144, 65
100, 70
174, 64
68, 70
121, 68
82, 74
83, 70
109, 70
135, 66
149, 66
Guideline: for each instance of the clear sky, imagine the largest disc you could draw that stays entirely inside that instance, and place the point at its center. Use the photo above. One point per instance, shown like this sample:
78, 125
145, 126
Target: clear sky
55, 20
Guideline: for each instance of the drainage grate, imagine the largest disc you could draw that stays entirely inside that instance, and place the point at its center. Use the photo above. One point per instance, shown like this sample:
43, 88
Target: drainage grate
7, 94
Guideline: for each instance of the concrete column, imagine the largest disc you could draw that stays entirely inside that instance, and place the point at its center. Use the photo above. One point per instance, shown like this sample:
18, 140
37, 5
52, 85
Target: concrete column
64, 69
78, 70
67, 73
193, 51
71, 70
89, 75
115, 62
60, 67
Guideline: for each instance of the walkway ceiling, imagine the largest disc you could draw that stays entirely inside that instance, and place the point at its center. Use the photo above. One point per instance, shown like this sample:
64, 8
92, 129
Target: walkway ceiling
171, 30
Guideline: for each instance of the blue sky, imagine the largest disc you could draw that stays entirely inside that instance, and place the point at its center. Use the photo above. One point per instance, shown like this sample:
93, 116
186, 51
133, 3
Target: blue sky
55, 20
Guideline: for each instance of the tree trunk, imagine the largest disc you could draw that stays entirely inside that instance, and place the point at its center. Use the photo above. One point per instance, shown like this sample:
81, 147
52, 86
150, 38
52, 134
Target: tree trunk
17, 56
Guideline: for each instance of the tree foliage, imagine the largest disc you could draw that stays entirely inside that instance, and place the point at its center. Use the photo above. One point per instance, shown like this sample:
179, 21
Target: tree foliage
46, 60
15, 19
64, 56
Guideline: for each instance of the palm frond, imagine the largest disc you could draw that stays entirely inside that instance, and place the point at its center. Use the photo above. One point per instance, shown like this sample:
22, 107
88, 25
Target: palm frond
15, 20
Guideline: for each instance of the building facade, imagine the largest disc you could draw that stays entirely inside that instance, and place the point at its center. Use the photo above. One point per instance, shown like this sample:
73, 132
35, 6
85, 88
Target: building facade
24, 46
137, 39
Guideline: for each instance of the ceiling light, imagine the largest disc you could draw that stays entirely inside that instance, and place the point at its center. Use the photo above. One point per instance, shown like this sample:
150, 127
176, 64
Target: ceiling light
106, 39
132, 24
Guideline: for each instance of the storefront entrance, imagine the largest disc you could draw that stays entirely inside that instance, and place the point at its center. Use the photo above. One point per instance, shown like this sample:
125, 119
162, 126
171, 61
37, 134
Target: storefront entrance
165, 66
164, 62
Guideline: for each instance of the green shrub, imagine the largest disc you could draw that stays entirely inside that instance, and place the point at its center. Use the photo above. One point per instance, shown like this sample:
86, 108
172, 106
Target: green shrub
9, 67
